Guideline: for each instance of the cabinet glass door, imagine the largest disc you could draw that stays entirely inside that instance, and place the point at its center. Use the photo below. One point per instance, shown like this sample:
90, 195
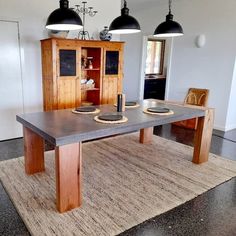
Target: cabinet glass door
67, 62
112, 63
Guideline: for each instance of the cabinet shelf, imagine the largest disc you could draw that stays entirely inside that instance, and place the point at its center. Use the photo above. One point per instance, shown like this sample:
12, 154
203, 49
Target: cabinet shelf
90, 89
94, 69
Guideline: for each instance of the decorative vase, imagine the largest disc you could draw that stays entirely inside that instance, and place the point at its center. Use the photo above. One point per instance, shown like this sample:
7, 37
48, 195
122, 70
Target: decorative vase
58, 34
105, 35
90, 63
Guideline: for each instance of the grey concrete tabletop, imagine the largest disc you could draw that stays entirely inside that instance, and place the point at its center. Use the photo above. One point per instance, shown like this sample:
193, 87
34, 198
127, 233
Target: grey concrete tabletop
61, 127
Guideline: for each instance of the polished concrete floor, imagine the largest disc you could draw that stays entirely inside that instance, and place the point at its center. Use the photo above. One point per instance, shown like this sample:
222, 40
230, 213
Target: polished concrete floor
212, 213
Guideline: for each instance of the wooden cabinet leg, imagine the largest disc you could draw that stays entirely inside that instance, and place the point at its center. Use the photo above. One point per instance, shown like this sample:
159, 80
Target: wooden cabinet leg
68, 176
145, 136
34, 152
202, 139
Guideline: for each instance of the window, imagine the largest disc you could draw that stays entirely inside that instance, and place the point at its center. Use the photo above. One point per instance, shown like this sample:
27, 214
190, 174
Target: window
155, 57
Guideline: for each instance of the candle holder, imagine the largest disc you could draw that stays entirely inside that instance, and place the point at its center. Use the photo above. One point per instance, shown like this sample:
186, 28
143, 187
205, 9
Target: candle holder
84, 11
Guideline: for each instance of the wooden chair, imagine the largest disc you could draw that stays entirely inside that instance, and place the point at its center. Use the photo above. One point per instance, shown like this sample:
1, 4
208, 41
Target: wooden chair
197, 97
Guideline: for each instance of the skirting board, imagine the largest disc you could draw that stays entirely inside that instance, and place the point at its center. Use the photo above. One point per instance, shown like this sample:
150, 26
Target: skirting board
225, 129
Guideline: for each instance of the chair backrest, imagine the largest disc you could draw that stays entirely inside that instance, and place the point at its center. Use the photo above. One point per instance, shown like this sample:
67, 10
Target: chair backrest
196, 96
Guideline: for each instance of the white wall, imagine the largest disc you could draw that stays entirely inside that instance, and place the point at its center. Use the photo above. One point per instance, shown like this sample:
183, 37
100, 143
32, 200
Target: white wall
132, 55
209, 67
231, 116
32, 17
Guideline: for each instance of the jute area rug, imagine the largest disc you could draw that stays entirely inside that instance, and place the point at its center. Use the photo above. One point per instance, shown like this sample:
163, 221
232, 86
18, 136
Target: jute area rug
124, 184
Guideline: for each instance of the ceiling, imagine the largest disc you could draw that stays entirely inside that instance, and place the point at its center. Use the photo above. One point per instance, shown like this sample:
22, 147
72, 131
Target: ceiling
141, 1
136, 5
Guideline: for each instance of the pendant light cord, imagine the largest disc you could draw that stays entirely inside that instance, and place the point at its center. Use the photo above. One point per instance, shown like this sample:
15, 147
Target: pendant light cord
170, 4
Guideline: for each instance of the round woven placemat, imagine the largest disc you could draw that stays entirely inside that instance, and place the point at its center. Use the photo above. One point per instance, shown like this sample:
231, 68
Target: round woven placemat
135, 106
86, 113
123, 120
159, 114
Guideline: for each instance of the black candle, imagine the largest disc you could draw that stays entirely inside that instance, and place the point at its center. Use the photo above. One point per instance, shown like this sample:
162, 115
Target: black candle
119, 103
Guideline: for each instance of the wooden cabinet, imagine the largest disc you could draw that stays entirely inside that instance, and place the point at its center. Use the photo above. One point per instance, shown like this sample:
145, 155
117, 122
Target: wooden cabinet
154, 88
67, 63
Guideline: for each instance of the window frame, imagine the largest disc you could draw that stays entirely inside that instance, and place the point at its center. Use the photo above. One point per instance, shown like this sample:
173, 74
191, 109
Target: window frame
161, 66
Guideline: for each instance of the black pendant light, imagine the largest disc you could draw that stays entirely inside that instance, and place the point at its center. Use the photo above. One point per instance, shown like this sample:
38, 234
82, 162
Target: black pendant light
124, 24
169, 28
64, 18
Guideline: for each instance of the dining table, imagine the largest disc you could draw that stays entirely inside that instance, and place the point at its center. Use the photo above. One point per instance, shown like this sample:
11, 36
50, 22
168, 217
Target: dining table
66, 131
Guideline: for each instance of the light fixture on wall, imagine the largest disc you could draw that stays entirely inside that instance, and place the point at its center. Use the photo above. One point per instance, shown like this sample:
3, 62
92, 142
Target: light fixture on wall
124, 24
64, 18
200, 40
169, 28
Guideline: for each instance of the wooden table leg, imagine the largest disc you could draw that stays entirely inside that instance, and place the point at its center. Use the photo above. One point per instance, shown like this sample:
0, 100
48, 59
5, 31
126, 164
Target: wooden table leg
202, 139
68, 176
145, 136
34, 152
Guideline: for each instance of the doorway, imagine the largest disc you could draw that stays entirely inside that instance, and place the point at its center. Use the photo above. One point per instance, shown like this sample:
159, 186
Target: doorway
154, 67
11, 87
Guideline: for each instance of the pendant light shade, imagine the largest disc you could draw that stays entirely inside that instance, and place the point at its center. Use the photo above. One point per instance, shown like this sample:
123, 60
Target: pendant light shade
124, 24
64, 18
169, 28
